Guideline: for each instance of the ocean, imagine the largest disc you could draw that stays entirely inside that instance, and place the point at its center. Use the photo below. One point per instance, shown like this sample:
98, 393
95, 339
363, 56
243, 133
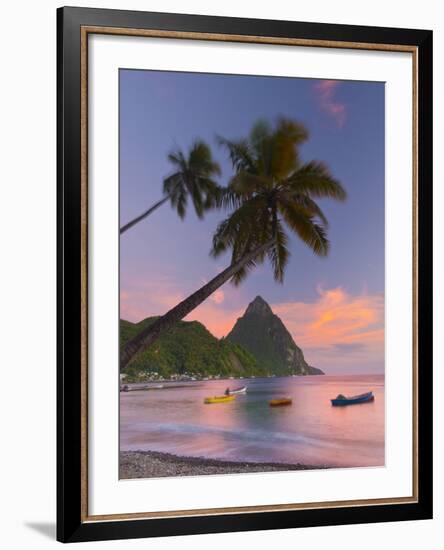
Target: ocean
310, 431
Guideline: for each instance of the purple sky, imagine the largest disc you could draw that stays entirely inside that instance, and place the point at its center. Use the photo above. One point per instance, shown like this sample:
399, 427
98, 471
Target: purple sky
334, 306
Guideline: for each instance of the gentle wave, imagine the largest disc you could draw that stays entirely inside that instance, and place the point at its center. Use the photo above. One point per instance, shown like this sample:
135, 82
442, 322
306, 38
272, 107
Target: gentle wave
311, 431
252, 435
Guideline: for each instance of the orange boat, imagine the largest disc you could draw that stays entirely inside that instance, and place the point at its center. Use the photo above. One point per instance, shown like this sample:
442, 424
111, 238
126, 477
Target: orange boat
281, 402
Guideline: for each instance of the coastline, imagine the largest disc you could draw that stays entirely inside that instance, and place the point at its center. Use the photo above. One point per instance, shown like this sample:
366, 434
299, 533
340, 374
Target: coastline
151, 464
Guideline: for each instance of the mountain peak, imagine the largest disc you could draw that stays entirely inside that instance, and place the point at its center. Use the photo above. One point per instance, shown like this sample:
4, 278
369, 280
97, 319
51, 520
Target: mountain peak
265, 336
258, 307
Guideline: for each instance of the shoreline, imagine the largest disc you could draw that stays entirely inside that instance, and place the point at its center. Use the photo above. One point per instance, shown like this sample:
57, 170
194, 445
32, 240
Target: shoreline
151, 464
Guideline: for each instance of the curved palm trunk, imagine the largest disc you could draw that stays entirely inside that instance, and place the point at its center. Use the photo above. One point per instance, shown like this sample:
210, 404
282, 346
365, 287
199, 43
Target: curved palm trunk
145, 214
147, 336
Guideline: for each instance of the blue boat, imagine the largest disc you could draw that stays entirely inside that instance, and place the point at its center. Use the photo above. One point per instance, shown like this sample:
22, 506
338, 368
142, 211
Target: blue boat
341, 400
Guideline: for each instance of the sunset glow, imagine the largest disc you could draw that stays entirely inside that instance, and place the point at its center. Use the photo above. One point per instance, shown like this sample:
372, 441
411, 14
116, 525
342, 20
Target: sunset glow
326, 95
334, 306
337, 328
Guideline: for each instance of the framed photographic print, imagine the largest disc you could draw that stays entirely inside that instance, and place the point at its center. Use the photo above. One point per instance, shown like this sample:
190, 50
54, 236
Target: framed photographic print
245, 269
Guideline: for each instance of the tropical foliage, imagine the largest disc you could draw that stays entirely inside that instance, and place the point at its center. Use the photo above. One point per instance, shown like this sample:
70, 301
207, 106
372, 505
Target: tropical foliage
188, 349
192, 180
271, 194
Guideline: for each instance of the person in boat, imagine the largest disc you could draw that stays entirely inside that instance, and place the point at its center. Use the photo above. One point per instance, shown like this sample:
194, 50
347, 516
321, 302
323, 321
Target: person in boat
227, 391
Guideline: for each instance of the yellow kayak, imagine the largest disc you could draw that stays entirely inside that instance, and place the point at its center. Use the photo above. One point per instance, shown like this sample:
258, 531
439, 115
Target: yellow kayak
280, 402
219, 399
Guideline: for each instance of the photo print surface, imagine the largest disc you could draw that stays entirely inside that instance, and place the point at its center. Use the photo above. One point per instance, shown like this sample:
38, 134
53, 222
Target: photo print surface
251, 274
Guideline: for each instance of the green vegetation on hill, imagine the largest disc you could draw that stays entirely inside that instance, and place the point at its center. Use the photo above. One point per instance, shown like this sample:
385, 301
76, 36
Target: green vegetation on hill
265, 336
187, 350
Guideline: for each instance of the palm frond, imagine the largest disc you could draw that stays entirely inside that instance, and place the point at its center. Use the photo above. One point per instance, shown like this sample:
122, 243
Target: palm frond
177, 159
270, 192
211, 192
252, 240
179, 201
260, 134
284, 152
306, 204
172, 182
314, 179
243, 272
200, 160
279, 254
247, 184
193, 179
229, 199
240, 154
196, 195
292, 130
248, 226
309, 231
260, 139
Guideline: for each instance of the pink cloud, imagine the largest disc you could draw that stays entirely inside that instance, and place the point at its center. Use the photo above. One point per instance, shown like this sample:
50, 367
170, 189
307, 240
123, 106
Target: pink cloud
143, 298
217, 297
337, 331
325, 93
218, 321
338, 328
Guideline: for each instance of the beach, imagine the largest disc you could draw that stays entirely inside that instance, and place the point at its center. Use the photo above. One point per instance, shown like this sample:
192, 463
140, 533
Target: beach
149, 464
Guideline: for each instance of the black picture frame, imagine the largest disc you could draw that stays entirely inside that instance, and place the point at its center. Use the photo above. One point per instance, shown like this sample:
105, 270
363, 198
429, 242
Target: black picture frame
71, 527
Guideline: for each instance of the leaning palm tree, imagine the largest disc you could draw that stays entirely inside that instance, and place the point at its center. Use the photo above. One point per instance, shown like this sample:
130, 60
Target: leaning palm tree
192, 179
271, 193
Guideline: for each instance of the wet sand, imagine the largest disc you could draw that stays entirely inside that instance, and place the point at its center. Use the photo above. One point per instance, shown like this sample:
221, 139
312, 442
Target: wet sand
148, 464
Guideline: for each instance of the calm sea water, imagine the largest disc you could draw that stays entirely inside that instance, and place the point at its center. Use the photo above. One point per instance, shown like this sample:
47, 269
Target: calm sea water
310, 431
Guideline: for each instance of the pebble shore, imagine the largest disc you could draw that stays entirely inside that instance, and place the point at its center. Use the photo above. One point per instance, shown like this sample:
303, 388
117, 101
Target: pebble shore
148, 464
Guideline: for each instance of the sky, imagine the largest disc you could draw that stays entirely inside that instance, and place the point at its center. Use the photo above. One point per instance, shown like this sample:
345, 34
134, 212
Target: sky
333, 306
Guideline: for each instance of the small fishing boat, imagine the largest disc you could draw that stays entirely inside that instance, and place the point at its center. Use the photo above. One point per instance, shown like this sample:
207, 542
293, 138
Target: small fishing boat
342, 400
141, 387
219, 399
242, 389
281, 402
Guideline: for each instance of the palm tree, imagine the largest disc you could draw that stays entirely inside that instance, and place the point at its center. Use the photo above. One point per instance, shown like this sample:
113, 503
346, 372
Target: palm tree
192, 178
271, 193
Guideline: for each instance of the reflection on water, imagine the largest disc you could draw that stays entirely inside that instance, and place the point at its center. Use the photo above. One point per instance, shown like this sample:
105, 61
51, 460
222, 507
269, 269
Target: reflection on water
310, 431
